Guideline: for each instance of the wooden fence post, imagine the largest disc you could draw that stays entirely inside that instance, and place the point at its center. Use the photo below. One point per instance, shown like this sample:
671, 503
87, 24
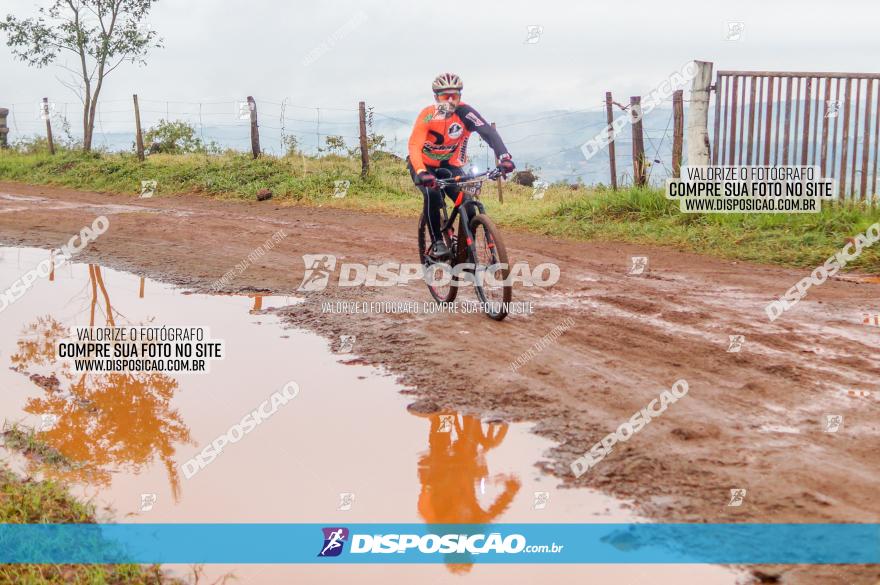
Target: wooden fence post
365, 149
609, 117
638, 141
139, 136
698, 116
677, 131
255, 132
498, 180
4, 130
48, 125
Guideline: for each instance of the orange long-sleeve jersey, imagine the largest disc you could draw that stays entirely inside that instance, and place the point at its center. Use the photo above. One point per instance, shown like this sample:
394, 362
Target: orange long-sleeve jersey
438, 139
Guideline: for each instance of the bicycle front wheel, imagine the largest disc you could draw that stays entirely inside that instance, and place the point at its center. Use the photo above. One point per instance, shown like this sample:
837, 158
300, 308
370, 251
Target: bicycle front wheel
491, 267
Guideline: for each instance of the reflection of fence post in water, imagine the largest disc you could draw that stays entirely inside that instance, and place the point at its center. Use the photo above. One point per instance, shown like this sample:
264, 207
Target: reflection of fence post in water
98, 281
141, 289
52, 265
94, 302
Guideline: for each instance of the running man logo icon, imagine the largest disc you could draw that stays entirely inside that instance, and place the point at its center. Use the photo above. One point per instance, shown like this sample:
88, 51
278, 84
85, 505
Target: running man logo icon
245, 109
148, 189
734, 31
737, 496
48, 421
334, 541
735, 343
340, 188
832, 109
446, 423
639, 265
346, 343
45, 110
539, 189
542, 499
346, 501
534, 32
319, 267
147, 502
833, 422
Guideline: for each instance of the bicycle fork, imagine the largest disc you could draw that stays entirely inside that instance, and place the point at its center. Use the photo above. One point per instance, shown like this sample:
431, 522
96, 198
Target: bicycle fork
471, 245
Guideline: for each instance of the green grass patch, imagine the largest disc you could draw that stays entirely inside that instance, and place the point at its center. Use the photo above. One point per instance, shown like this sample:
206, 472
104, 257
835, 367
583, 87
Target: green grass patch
27, 501
630, 215
26, 441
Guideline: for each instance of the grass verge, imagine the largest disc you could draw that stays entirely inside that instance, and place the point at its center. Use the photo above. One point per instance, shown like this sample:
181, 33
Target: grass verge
27, 501
641, 216
25, 441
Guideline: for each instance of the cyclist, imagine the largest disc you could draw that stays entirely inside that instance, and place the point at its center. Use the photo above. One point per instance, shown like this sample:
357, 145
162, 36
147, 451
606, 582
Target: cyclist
439, 141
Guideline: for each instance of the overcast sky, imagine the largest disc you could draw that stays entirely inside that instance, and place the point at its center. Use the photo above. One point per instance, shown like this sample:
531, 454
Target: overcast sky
387, 52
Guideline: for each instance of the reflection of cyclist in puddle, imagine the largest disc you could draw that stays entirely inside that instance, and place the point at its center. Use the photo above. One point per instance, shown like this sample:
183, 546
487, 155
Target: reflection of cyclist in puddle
450, 473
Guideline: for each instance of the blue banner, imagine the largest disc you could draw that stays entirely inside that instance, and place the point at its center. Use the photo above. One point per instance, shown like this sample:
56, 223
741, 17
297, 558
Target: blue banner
441, 543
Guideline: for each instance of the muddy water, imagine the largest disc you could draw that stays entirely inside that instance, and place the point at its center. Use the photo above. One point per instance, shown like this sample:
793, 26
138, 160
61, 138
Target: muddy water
345, 450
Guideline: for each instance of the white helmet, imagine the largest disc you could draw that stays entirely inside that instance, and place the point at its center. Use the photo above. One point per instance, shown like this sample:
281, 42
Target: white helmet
447, 82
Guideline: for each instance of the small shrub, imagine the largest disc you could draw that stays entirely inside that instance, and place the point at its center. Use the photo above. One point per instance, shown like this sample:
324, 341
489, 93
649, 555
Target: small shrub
525, 178
177, 137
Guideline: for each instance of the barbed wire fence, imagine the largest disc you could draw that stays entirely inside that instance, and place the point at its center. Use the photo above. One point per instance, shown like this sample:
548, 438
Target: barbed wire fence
550, 143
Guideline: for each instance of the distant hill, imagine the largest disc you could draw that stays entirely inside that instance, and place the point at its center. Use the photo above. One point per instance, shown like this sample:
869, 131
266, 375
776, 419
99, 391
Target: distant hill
548, 140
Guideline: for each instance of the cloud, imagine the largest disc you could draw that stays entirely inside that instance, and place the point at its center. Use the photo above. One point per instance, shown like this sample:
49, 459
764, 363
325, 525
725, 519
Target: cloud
230, 48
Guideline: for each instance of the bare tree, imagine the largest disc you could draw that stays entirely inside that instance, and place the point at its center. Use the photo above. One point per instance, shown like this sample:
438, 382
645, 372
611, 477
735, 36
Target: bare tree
102, 34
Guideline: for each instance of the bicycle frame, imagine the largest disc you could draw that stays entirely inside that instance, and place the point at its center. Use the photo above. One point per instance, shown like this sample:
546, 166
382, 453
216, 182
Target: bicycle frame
467, 209
462, 204
461, 208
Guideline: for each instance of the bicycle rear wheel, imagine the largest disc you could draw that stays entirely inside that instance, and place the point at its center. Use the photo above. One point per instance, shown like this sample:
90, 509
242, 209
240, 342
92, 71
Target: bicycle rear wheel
491, 269
436, 273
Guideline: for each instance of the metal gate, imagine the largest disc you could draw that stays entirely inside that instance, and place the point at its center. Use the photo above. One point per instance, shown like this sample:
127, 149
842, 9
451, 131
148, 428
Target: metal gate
801, 118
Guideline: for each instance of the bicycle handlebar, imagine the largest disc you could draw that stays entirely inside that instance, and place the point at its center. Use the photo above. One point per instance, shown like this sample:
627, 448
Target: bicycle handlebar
489, 175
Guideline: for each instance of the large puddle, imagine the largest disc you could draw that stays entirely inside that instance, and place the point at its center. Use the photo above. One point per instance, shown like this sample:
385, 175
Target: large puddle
345, 450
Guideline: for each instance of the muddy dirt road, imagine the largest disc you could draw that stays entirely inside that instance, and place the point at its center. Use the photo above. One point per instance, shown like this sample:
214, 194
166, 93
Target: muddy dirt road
753, 419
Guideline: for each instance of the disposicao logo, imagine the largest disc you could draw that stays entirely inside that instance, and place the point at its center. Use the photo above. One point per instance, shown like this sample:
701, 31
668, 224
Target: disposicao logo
334, 541
319, 267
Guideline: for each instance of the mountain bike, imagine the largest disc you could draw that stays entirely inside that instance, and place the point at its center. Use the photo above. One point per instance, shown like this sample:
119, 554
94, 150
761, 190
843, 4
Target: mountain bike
478, 254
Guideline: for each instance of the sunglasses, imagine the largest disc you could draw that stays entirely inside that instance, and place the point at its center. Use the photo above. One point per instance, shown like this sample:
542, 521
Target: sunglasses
444, 97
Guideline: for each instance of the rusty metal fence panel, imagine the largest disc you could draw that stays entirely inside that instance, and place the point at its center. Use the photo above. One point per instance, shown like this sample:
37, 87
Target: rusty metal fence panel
830, 120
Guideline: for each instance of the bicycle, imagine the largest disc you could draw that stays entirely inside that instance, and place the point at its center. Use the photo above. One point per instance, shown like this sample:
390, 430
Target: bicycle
479, 252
